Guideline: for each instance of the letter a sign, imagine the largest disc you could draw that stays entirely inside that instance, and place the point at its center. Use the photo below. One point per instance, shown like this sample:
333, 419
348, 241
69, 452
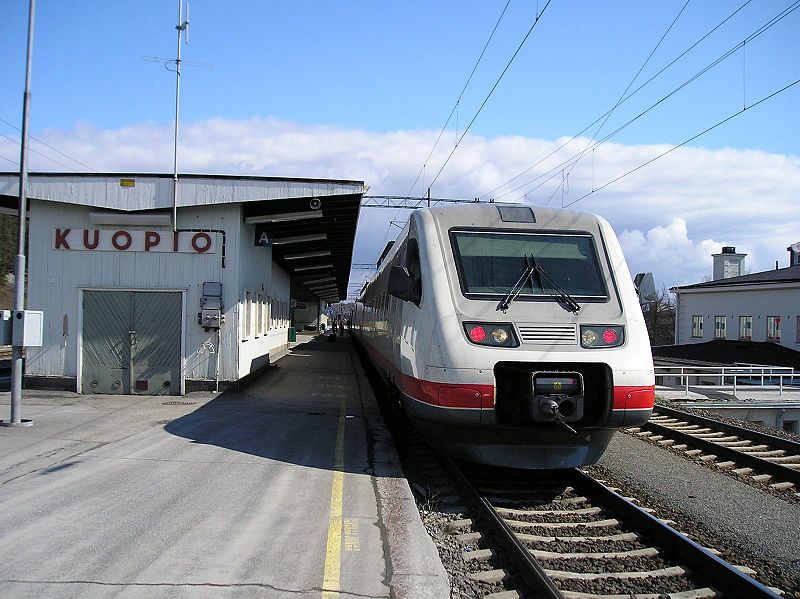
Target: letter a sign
263, 239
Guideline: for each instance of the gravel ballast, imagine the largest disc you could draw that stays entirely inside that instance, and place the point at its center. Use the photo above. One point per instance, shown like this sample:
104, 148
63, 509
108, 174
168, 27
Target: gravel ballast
748, 525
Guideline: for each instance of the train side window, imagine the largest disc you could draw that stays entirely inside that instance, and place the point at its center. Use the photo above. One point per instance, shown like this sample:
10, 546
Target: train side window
414, 269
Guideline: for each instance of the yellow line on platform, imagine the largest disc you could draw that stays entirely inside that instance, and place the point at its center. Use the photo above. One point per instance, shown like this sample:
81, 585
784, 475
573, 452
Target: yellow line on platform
333, 553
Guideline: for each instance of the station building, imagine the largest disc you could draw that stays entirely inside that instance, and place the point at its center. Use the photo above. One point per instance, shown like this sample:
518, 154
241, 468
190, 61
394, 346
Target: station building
148, 286
762, 306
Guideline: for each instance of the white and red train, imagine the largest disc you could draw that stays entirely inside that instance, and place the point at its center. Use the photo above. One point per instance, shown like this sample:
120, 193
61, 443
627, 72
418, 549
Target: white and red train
510, 335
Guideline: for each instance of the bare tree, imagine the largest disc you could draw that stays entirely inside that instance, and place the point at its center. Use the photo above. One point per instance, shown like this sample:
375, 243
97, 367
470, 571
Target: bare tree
660, 318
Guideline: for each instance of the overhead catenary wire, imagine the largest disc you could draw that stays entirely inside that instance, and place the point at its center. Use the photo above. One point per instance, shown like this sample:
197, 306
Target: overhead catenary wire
57, 151
450, 116
625, 99
461, 95
491, 91
555, 169
622, 96
683, 143
16, 141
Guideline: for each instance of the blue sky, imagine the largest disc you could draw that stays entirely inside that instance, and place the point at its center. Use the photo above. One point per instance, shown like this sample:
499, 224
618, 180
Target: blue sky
379, 79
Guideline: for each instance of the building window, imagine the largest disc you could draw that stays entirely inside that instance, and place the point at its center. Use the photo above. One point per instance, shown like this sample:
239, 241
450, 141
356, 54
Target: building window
746, 327
773, 328
247, 314
720, 327
790, 426
697, 326
259, 314
797, 339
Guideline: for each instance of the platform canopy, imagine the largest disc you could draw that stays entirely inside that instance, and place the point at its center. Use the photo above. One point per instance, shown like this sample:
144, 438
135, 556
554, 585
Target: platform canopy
310, 223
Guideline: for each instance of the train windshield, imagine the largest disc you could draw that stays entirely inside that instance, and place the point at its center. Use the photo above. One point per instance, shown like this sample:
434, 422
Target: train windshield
490, 263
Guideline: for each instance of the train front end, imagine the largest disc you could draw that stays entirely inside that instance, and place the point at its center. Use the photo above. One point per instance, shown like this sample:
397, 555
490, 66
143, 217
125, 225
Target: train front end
537, 344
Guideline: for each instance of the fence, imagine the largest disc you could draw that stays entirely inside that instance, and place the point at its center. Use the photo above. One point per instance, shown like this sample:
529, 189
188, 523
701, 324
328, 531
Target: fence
749, 375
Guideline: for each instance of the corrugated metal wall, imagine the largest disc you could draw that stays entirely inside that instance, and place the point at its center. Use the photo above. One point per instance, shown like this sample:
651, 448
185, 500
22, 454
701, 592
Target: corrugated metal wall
56, 278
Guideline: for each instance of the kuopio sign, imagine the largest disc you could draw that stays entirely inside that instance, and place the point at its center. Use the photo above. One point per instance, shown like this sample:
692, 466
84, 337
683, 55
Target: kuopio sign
127, 240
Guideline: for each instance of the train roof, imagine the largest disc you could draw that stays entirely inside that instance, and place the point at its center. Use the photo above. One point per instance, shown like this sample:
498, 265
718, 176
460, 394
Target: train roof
493, 215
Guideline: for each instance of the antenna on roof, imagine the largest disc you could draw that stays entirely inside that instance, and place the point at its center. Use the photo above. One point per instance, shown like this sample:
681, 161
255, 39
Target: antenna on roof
183, 25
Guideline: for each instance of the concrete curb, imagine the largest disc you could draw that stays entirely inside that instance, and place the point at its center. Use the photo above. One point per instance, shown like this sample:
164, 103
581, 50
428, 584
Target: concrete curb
415, 570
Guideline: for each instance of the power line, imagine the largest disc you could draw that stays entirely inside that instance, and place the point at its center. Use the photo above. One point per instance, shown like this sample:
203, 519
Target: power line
51, 147
40, 154
763, 28
491, 91
622, 96
450, 116
625, 99
722, 122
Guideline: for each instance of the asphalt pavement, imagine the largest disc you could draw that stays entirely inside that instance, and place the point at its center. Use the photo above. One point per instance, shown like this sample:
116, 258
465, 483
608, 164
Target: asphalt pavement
289, 489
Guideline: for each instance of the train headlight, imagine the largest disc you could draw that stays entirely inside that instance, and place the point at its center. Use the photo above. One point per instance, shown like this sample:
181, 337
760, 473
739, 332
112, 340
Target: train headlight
491, 334
500, 335
600, 336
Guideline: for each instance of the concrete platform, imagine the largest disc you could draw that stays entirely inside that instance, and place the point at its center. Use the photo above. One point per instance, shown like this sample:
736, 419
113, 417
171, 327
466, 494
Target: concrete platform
291, 488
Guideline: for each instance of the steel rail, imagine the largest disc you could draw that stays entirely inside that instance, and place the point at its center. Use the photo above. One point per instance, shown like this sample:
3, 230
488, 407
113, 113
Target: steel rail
765, 438
726, 577
730, 453
528, 568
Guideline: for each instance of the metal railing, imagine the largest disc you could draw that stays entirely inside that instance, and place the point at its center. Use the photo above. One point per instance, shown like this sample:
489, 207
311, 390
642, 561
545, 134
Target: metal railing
749, 375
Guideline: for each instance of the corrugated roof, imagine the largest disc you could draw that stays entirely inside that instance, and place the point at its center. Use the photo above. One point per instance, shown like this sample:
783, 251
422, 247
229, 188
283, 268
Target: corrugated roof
724, 351
154, 191
790, 274
320, 248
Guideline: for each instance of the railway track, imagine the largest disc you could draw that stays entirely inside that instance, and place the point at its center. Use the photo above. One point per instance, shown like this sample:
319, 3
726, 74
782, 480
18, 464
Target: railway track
562, 534
752, 455
568, 535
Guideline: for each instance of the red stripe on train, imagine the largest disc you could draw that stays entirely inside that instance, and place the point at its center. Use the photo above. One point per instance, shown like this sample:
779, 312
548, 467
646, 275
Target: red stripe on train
475, 396
634, 398
448, 395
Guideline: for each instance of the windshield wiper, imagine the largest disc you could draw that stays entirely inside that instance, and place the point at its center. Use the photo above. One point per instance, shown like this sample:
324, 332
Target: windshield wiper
559, 292
530, 267
533, 269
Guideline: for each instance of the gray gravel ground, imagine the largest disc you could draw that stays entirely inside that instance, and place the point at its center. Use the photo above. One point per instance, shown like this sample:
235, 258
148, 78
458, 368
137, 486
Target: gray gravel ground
749, 525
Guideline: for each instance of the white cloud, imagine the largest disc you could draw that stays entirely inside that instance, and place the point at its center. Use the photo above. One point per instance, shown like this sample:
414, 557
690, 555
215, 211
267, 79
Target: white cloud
669, 251
671, 215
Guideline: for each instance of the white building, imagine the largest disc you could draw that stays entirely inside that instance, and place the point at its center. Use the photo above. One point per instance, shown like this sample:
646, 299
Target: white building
763, 306
134, 305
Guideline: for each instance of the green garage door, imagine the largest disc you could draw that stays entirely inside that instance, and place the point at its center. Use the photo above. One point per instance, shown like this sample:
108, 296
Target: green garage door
131, 342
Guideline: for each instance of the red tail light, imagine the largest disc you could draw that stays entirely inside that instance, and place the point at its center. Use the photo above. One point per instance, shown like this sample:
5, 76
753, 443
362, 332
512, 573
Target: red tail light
610, 336
477, 334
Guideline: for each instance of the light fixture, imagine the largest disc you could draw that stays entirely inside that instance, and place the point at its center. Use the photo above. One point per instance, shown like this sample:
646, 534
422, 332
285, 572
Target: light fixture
307, 255
300, 239
315, 267
282, 217
322, 280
